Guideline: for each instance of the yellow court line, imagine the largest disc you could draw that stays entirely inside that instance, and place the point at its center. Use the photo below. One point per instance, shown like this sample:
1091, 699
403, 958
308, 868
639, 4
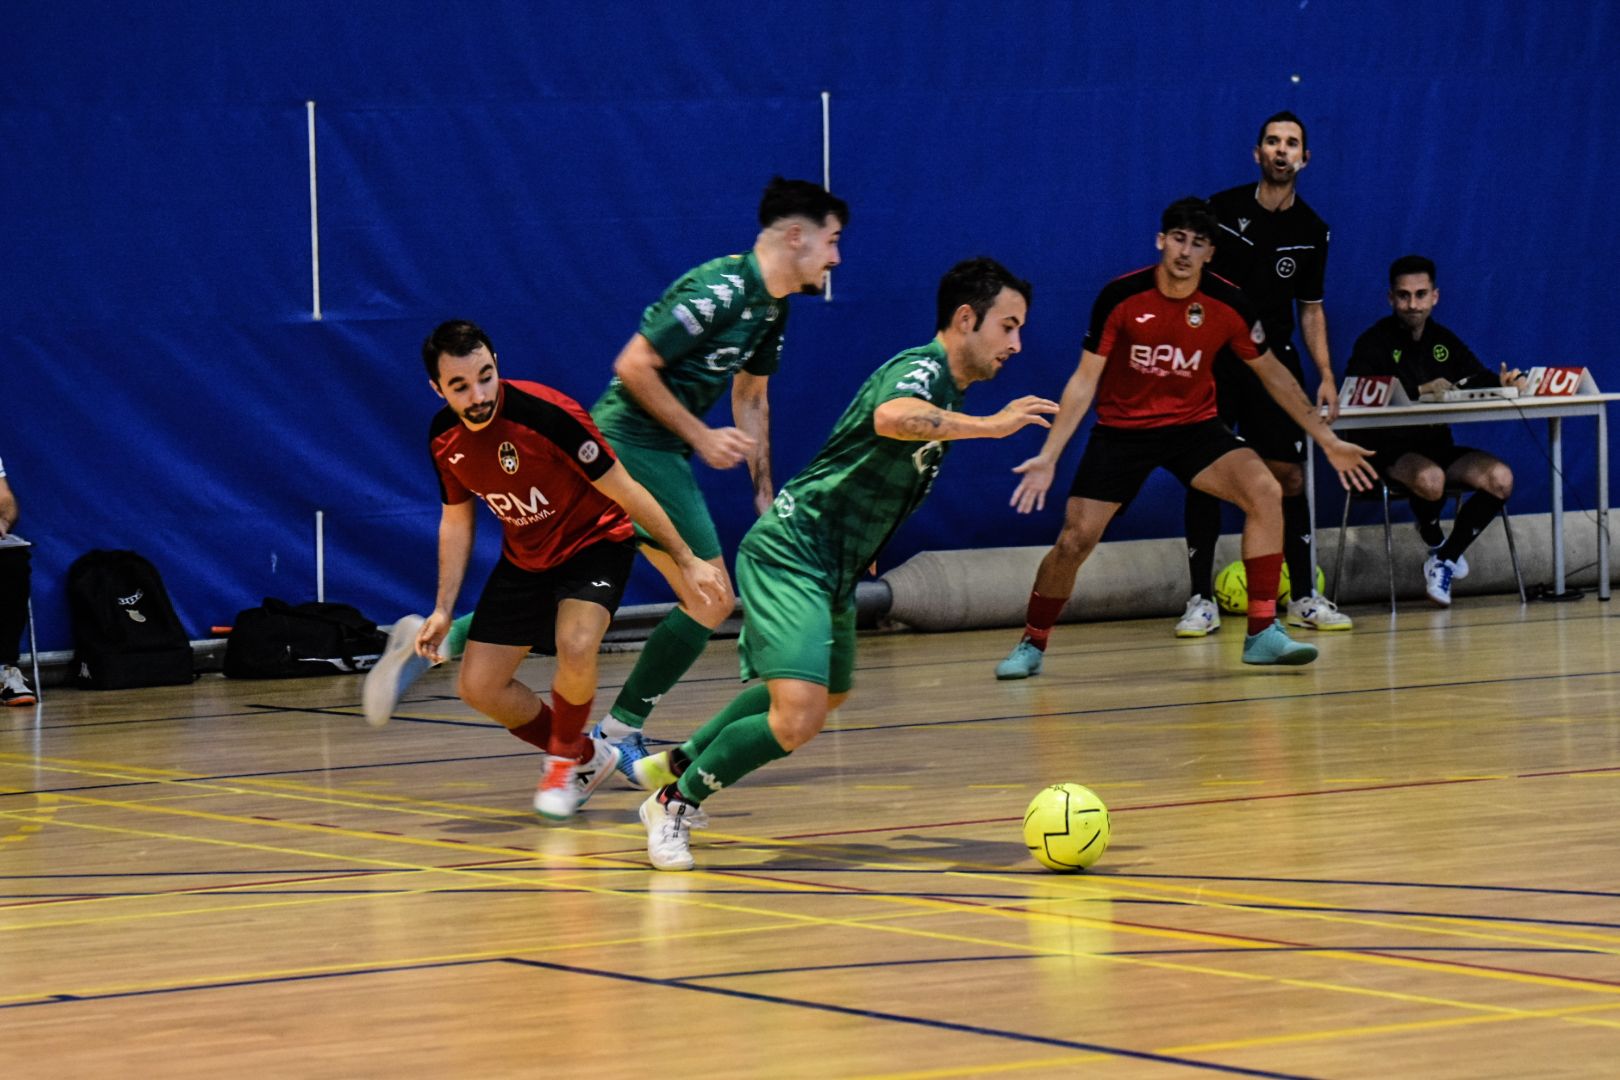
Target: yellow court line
802, 921
951, 908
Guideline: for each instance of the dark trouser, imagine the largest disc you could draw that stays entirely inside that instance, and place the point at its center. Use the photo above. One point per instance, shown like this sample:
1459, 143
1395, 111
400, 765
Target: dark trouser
13, 602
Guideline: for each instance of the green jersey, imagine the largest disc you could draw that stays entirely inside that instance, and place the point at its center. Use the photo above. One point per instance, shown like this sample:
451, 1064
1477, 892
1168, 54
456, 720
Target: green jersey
713, 322
832, 519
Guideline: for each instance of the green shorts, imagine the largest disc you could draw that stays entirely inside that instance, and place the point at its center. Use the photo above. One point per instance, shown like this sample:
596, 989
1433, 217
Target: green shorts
667, 475
791, 628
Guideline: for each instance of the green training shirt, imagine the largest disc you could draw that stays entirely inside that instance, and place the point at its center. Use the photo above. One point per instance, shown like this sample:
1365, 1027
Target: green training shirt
833, 518
713, 322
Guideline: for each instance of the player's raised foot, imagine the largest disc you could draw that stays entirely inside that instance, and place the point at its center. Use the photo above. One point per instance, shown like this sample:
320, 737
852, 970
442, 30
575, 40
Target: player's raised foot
1021, 663
668, 819
400, 666
1461, 563
630, 741
589, 776
1273, 646
14, 689
1438, 575
1317, 612
654, 771
1201, 617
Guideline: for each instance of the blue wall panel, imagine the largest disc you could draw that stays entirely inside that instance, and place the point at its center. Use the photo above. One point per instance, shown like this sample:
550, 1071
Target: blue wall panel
546, 168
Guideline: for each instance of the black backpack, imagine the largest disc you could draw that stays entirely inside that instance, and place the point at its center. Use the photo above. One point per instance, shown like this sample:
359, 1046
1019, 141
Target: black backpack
125, 631
278, 640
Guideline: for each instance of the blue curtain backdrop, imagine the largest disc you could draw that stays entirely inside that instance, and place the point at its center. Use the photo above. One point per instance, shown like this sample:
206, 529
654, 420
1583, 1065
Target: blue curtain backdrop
547, 168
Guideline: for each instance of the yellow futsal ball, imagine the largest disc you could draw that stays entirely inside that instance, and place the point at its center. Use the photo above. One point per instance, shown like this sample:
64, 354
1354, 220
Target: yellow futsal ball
1066, 827
1232, 588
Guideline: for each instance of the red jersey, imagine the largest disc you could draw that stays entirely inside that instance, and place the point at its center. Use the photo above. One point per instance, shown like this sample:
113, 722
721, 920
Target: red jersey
533, 466
1161, 352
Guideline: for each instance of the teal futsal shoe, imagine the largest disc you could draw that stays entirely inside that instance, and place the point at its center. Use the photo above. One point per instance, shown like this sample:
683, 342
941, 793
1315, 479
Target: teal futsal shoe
1273, 646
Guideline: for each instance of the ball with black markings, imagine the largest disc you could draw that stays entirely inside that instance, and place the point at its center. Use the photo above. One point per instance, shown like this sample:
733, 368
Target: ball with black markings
1066, 827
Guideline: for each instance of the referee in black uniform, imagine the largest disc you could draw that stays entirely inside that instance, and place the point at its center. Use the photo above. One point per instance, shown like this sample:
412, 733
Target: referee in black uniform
1274, 247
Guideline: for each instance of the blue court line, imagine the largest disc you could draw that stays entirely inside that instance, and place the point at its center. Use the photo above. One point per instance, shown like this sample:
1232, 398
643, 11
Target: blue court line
1222, 701
65, 999
901, 1018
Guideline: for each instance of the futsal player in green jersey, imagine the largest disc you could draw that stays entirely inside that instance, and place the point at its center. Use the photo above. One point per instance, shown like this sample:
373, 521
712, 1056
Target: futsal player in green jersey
719, 326
798, 565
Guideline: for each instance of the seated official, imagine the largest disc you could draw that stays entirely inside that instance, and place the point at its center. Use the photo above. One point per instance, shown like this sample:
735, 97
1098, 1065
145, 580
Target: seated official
14, 689
1428, 358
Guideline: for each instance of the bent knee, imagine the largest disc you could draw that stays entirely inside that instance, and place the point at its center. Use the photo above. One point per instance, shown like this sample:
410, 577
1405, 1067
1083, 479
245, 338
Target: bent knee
1499, 481
1429, 484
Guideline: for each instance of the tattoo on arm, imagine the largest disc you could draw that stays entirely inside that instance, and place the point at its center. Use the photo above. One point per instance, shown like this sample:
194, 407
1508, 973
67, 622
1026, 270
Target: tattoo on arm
923, 425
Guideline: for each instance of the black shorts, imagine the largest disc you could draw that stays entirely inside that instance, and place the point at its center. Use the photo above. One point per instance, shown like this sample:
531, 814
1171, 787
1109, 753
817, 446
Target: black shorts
1391, 444
1118, 460
1249, 409
519, 607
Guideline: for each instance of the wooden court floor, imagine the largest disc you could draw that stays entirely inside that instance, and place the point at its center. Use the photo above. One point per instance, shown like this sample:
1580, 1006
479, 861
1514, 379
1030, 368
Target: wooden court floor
1403, 861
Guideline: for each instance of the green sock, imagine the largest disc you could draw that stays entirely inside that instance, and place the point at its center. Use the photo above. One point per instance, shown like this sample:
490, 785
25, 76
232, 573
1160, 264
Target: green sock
673, 648
455, 642
752, 701
741, 748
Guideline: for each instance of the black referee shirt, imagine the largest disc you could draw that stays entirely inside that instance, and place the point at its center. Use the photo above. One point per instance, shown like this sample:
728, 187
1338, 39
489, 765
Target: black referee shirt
1387, 348
1277, 257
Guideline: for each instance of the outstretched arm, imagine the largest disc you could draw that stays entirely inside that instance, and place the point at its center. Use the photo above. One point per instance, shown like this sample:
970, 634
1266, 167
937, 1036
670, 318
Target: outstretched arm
1348, 458
915, 420
702, 579
1037, 472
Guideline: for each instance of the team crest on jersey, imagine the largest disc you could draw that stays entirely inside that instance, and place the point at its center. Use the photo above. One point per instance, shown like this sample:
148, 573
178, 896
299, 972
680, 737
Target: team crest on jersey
1195, 315
1441, 354
509, 458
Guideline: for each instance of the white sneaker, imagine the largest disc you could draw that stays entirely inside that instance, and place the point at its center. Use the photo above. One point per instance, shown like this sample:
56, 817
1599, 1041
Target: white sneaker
557, 797
1317, 612
669, 841
589, 777
393, 674
14, 688
1201, 617
1438, 574
1461, 564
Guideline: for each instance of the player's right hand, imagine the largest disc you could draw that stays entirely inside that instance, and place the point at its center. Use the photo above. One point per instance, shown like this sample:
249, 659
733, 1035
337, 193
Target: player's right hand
724, 448
1019, 414
705, 579
1030, 494
431, 636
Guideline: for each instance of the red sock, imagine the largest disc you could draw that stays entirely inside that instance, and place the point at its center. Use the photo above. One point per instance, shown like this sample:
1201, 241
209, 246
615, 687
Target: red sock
568, 726
1262, 572
536, 732
1043, 612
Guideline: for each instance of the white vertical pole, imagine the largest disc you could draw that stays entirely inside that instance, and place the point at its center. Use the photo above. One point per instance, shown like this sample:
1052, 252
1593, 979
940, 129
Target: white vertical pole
314, 221
320, 555
826, 169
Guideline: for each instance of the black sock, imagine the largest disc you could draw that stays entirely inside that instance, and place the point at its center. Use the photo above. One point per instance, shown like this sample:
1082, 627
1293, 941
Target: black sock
1297, 546
1427, 516
1478, 511
678, 761
1203, 529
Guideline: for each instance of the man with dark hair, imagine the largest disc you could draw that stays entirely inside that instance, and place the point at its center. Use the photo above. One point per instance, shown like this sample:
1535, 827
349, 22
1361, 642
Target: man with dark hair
566, 505
14, 580
1146, 360
720, 323
1272, 246
798, 565
1429, 358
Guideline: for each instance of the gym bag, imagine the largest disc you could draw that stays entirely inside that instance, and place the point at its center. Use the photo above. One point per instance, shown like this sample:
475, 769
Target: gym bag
278, 640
